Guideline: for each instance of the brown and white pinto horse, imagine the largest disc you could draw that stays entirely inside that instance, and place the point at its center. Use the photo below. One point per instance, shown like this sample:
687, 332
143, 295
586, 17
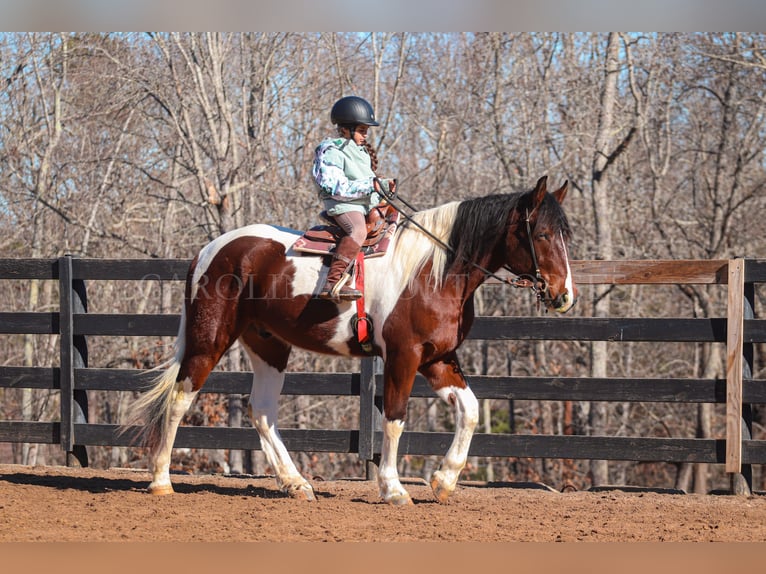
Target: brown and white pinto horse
250, 285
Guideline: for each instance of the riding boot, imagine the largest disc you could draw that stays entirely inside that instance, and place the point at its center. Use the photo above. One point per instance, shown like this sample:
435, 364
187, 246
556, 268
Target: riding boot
336, 287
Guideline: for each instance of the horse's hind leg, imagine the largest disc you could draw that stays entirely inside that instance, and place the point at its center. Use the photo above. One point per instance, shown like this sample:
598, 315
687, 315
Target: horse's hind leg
161, 445
187, 378
198, 350
268, 356
447, 380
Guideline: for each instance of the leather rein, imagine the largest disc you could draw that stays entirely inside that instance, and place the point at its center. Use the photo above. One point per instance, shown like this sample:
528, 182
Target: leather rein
534, 282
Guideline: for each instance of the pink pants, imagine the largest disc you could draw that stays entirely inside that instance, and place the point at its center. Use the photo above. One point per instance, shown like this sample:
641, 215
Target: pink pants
354, 224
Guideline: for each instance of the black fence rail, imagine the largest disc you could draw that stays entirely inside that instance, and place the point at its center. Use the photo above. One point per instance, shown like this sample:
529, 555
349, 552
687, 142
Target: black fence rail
739, 330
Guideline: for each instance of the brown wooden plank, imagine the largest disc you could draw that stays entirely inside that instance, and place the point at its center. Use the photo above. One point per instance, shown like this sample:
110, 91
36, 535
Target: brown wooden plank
753, 391
29, 323
29, 377
595, 389
755, 270
617, 329
658, 272
648, 449
655, 390
734, 342
246, 438
29, 269
130, 269
227, 382
150, 325
586, 272
30, 431
494, 328
753, 451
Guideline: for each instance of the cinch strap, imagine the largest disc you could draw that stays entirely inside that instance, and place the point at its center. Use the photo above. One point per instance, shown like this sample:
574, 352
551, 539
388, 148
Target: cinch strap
362, 322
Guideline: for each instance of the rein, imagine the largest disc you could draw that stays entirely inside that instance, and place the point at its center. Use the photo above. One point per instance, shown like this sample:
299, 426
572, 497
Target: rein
536, 283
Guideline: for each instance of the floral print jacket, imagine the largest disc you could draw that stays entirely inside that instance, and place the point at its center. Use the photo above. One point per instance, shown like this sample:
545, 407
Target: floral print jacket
342, 170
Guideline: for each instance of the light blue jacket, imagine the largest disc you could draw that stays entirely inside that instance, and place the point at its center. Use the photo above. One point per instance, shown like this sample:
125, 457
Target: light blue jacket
343, 174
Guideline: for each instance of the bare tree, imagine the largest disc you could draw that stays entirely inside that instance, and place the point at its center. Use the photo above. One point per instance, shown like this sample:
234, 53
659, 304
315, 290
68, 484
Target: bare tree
603, 219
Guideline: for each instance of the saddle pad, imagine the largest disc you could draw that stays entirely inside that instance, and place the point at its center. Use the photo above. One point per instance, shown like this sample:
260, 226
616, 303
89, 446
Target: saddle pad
321, 240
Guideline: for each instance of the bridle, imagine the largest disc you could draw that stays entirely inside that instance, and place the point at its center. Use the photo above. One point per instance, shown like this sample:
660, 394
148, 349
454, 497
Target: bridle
536, 282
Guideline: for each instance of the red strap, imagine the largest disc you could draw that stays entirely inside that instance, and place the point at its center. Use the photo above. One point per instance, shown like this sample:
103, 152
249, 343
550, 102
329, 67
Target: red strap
361, 326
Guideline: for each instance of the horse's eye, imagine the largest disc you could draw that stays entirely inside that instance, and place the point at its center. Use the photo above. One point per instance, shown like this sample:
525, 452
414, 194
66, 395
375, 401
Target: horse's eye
543, 236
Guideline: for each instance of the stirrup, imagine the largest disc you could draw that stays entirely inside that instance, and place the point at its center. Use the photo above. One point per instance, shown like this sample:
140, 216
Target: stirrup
339, 291
341, 295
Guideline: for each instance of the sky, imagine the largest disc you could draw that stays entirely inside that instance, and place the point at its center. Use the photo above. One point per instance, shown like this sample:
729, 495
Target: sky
384, 15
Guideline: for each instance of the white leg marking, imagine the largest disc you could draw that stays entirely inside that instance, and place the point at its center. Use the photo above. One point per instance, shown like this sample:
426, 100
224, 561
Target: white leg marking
159, 461
390, 488
466, 418
264, 399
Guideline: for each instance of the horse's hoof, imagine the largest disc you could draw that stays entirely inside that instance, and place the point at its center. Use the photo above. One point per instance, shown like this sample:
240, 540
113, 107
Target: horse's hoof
302, 492
160, 490
399, 500
441, 491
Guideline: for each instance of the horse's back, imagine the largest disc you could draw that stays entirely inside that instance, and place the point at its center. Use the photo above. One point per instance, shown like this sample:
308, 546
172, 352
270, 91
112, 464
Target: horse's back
283, 235
254, 233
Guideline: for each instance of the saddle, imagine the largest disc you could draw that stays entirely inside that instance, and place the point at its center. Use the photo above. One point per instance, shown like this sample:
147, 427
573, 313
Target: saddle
381, 225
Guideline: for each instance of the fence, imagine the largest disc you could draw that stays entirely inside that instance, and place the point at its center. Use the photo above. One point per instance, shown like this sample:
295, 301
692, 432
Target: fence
739, 330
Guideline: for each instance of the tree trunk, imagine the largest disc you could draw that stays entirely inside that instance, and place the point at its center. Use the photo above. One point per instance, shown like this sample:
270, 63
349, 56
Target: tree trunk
602, 213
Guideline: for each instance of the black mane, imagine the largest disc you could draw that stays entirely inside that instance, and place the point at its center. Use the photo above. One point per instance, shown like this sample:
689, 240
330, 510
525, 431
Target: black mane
481, 221
477, 225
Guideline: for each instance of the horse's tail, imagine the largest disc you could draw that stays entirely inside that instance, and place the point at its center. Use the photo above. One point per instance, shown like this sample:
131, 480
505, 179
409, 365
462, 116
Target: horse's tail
150, 411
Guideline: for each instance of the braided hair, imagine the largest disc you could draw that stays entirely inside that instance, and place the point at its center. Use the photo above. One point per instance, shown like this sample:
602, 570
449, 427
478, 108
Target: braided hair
373, 156
368, 146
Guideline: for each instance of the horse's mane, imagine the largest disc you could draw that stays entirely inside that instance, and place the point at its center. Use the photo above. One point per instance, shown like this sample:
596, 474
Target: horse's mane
478, 224
468, 227
413, 248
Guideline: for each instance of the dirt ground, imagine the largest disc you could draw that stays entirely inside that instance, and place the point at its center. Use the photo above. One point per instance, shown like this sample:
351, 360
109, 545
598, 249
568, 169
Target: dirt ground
52, 504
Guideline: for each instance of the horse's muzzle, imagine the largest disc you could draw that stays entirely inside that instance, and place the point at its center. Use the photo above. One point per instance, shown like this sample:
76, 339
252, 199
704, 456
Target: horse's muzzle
564, 302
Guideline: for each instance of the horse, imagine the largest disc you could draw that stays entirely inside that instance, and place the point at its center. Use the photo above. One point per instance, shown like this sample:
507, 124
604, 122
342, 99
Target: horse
250, 285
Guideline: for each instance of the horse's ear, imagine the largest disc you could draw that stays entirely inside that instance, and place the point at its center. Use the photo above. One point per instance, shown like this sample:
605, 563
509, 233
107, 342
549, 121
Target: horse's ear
561, 192
539, 193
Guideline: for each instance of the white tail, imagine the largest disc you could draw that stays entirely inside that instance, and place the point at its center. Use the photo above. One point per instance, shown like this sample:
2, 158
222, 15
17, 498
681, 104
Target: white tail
152, 408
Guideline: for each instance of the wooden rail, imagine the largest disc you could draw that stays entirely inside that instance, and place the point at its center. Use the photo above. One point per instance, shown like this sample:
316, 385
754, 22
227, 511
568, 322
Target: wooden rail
636, 272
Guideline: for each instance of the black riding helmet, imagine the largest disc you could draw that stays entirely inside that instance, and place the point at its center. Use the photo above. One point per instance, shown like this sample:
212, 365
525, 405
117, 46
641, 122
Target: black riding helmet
352, 111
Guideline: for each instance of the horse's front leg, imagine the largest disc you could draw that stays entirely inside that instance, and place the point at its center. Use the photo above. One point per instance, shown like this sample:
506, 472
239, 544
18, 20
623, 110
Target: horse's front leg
398, 377
446, 378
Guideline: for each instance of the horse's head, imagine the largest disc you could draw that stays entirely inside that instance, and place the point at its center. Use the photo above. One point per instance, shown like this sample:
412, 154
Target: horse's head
541, 235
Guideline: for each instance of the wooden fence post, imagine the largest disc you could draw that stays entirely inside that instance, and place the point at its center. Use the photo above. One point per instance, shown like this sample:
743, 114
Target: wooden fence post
369, 415
735, 429
748, 302
73, 355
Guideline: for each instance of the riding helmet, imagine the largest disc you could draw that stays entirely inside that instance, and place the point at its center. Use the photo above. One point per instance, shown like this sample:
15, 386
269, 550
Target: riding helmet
353, 110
